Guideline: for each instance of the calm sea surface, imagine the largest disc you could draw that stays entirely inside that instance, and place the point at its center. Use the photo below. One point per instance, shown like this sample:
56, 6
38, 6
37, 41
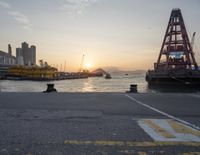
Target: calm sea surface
118, 83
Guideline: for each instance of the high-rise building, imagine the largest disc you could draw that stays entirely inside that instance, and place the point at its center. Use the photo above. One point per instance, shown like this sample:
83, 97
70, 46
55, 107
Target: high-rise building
33, 55
19, 56
18, 52
24, 56
25, 53
29, 54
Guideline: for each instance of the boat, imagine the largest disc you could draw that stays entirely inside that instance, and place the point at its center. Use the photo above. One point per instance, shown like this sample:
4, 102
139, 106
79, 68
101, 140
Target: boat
108, 76
176, 64
34, 73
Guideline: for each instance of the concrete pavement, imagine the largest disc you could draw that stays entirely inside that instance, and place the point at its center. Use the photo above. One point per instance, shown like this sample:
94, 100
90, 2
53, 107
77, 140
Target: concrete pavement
99, 123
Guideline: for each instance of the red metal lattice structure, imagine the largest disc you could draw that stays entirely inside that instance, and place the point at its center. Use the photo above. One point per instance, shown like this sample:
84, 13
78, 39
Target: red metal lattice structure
176, 51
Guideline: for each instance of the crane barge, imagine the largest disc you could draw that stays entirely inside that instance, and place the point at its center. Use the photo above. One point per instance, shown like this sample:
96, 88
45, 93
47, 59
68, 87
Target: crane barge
176, 63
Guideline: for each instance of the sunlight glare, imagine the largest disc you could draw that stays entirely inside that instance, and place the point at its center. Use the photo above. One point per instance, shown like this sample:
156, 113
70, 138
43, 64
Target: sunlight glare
88, 65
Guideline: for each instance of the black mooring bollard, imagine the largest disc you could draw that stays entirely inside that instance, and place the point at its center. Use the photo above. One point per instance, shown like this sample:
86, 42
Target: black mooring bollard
50, 88
133, 88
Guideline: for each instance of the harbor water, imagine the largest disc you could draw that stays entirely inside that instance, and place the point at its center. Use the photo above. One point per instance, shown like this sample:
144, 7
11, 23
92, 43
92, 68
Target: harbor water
119, 83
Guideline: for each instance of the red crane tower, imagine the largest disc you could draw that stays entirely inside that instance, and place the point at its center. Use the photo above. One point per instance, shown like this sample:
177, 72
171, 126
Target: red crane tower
176, 51
176, 61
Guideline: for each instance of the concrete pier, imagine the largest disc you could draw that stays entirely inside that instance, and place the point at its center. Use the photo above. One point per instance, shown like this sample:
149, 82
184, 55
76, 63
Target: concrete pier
99, 123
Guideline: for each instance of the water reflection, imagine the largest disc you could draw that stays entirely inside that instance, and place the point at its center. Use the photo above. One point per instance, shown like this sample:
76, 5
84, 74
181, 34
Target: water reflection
118, 83
88, 86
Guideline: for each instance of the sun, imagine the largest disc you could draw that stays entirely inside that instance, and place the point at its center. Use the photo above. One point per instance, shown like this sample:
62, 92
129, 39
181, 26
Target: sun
88, 65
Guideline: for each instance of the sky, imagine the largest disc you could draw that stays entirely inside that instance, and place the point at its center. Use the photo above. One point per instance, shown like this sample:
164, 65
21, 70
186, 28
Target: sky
126, 34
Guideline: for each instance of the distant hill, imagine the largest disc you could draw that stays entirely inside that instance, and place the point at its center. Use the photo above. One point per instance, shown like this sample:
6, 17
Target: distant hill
116, 70
99, 71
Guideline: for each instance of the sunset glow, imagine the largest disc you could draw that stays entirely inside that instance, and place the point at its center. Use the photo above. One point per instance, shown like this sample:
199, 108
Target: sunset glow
88, 65
110, 33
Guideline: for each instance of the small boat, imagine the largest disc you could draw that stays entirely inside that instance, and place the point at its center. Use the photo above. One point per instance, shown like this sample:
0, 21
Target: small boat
126, 74
108, 76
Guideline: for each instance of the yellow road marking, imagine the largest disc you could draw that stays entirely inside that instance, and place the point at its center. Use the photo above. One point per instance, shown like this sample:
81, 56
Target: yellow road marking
158, 129
191, 153
127, 151
131, 144
182, 128
142, 153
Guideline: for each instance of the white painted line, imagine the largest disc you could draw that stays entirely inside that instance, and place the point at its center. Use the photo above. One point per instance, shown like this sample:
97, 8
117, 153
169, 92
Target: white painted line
163, 113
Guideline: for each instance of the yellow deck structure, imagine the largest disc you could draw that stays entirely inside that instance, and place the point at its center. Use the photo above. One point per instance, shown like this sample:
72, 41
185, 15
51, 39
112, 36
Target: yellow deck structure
34, 72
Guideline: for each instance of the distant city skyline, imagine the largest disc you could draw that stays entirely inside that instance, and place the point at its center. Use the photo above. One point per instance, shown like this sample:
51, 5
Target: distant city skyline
24, 55
126, 34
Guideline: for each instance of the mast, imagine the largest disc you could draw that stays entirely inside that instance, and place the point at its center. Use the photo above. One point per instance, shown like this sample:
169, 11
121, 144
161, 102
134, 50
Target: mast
82, 61
65, 66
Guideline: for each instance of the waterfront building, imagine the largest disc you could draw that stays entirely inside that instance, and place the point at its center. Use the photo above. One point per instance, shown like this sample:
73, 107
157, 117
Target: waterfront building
19, 57
29, 54
25, 53
24, 56
33, 55
7, 58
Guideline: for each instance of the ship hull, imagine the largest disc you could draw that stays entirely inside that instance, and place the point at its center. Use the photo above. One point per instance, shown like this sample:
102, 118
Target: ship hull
174, 81
188, 83
191, 78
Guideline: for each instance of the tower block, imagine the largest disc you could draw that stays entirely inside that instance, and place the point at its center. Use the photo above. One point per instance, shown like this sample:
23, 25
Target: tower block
176, 51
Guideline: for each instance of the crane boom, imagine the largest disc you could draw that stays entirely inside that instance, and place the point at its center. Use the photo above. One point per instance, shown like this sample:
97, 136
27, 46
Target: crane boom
192, 41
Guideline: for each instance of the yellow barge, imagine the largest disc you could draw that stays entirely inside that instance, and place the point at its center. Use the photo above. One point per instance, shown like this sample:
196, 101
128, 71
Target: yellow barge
32, 73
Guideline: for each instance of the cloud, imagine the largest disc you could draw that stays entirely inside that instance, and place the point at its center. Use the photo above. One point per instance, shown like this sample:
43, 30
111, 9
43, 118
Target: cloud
18, 16
5, 5
77, 6
28, 27
22, 19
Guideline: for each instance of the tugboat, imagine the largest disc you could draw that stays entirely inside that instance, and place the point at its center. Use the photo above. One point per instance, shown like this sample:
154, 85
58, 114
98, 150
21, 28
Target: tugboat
108, 76
176, 63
